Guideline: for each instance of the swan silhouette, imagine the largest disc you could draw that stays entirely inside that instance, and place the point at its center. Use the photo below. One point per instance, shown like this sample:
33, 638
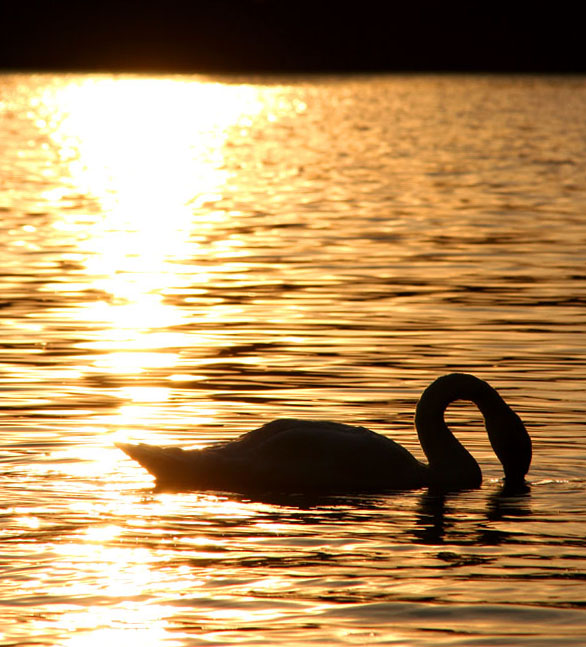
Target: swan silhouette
319, 457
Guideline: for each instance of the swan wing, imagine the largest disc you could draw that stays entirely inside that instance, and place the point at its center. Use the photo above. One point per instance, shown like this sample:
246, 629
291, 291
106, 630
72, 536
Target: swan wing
314, 455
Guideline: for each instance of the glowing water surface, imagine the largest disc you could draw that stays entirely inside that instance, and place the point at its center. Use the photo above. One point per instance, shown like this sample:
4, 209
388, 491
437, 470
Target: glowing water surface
187, 258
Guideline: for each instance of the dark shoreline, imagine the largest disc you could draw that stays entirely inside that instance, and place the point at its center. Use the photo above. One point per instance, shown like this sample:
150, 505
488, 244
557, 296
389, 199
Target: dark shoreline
270, 36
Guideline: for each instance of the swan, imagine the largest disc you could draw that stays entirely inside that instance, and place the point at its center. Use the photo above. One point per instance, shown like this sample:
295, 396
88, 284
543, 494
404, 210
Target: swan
320, 457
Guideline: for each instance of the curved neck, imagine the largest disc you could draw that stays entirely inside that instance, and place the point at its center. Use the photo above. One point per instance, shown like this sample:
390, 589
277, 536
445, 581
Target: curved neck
451, 465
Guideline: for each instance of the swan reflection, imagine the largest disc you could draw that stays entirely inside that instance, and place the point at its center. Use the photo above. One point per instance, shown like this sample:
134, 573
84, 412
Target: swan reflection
437, 525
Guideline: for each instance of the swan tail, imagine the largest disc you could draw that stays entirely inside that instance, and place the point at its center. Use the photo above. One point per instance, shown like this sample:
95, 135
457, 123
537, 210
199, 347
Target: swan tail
164, 463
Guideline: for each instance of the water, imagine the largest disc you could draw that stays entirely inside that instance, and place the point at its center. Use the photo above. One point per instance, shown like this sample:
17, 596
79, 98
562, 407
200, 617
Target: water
186, 258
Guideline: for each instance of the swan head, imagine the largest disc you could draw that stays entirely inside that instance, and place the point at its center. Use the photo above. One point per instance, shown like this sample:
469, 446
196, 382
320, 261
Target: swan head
511, 443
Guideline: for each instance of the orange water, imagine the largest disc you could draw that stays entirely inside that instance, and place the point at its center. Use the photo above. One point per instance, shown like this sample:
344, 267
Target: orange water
186, 258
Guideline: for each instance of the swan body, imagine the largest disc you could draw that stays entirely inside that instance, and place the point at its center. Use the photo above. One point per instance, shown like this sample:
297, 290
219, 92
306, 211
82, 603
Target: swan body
320, 457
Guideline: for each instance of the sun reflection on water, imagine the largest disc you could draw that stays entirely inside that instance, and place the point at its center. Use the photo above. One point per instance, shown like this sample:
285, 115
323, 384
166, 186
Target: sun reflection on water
141, 214
146, 157
147, 146
143, 176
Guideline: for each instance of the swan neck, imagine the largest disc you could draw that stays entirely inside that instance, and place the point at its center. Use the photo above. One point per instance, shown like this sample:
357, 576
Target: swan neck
506, 431
449, 461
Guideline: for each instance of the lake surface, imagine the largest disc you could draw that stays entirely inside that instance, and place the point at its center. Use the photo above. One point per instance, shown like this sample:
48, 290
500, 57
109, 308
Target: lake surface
186, 258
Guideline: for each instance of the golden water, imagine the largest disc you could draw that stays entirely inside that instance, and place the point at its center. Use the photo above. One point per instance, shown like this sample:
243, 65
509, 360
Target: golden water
185, 258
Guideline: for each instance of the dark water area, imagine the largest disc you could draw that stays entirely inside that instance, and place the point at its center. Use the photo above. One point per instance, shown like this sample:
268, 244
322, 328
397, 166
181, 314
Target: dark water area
186, 258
